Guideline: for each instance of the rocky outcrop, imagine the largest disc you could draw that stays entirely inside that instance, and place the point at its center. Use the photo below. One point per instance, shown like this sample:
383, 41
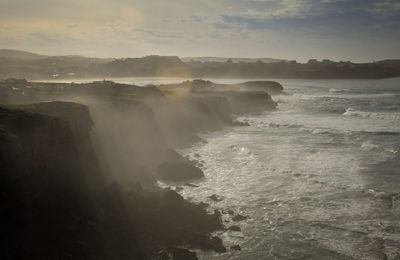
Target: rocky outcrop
176, 171
270, 87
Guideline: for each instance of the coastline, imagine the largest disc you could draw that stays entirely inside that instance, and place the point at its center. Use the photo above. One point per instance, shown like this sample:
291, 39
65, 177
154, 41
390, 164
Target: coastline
164, 123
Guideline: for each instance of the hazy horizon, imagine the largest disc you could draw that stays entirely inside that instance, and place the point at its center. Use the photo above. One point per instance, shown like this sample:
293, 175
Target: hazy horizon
360, 31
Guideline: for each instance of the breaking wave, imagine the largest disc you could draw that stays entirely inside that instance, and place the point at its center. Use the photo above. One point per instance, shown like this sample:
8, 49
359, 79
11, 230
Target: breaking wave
357, 113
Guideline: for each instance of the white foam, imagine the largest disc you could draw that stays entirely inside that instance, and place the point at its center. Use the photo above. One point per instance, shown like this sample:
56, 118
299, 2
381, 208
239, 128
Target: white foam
368, 145
334, 90
391, 150
357, 113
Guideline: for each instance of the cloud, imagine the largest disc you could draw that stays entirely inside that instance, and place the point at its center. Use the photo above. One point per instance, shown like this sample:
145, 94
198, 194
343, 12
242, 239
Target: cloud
46, 38
158, 34
325, 17
196, 18
204, 27
72, 26
219, 25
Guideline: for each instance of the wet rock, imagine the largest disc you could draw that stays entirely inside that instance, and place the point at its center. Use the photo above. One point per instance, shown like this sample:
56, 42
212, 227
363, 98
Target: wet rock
230, 212
179, 171
217, 213
240, 217
238, 123
216, 198
203, 205
218, 245
191, 185
236, 247
183, 254
234, 228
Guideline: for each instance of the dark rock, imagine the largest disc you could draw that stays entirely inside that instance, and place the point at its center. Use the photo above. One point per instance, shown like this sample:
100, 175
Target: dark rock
271, 87
50, 210
231, 212
173, 198
217, 213
191, 185
183, 254
234, 228
16, 81
218, 245
238, 123
178, 172
236, 247
203, 205
216, 198
239, 218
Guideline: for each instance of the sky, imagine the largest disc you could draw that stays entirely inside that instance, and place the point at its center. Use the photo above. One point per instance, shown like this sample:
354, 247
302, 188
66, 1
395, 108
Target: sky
355, 30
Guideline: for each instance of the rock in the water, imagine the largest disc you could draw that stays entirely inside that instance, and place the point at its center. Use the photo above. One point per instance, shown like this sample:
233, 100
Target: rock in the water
218, 245
216, 198
203, 205
183, 254
191, 185
179, 171
234, 228
239, 217
236, 247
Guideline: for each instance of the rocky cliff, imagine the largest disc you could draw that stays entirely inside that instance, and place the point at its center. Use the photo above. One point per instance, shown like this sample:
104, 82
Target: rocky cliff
46, 200
79, 180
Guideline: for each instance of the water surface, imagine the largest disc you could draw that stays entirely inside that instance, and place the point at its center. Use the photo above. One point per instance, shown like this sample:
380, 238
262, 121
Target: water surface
319, 177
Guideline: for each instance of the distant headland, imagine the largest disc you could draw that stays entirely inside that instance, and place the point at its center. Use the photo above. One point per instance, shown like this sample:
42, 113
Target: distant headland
22, 64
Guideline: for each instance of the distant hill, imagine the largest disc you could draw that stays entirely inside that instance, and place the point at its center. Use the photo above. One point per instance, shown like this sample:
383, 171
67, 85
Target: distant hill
148, 66
25, 55
22, 55
22, 64
234, 60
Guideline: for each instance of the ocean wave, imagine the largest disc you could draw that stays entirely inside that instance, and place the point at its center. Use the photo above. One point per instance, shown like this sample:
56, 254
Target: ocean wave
357, 113
384, 133
335, 90
317, 131
368, 145
392, 150
263, 124
352, 112
374, 147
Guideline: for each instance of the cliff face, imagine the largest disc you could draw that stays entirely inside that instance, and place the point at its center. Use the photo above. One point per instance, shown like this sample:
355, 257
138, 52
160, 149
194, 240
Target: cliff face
54, 202
46, 199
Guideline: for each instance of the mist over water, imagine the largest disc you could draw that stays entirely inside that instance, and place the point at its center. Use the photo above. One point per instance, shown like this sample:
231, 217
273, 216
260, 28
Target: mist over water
319, 177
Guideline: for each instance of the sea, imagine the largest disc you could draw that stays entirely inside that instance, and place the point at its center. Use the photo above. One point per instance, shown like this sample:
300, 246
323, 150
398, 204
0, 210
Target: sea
317, 178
